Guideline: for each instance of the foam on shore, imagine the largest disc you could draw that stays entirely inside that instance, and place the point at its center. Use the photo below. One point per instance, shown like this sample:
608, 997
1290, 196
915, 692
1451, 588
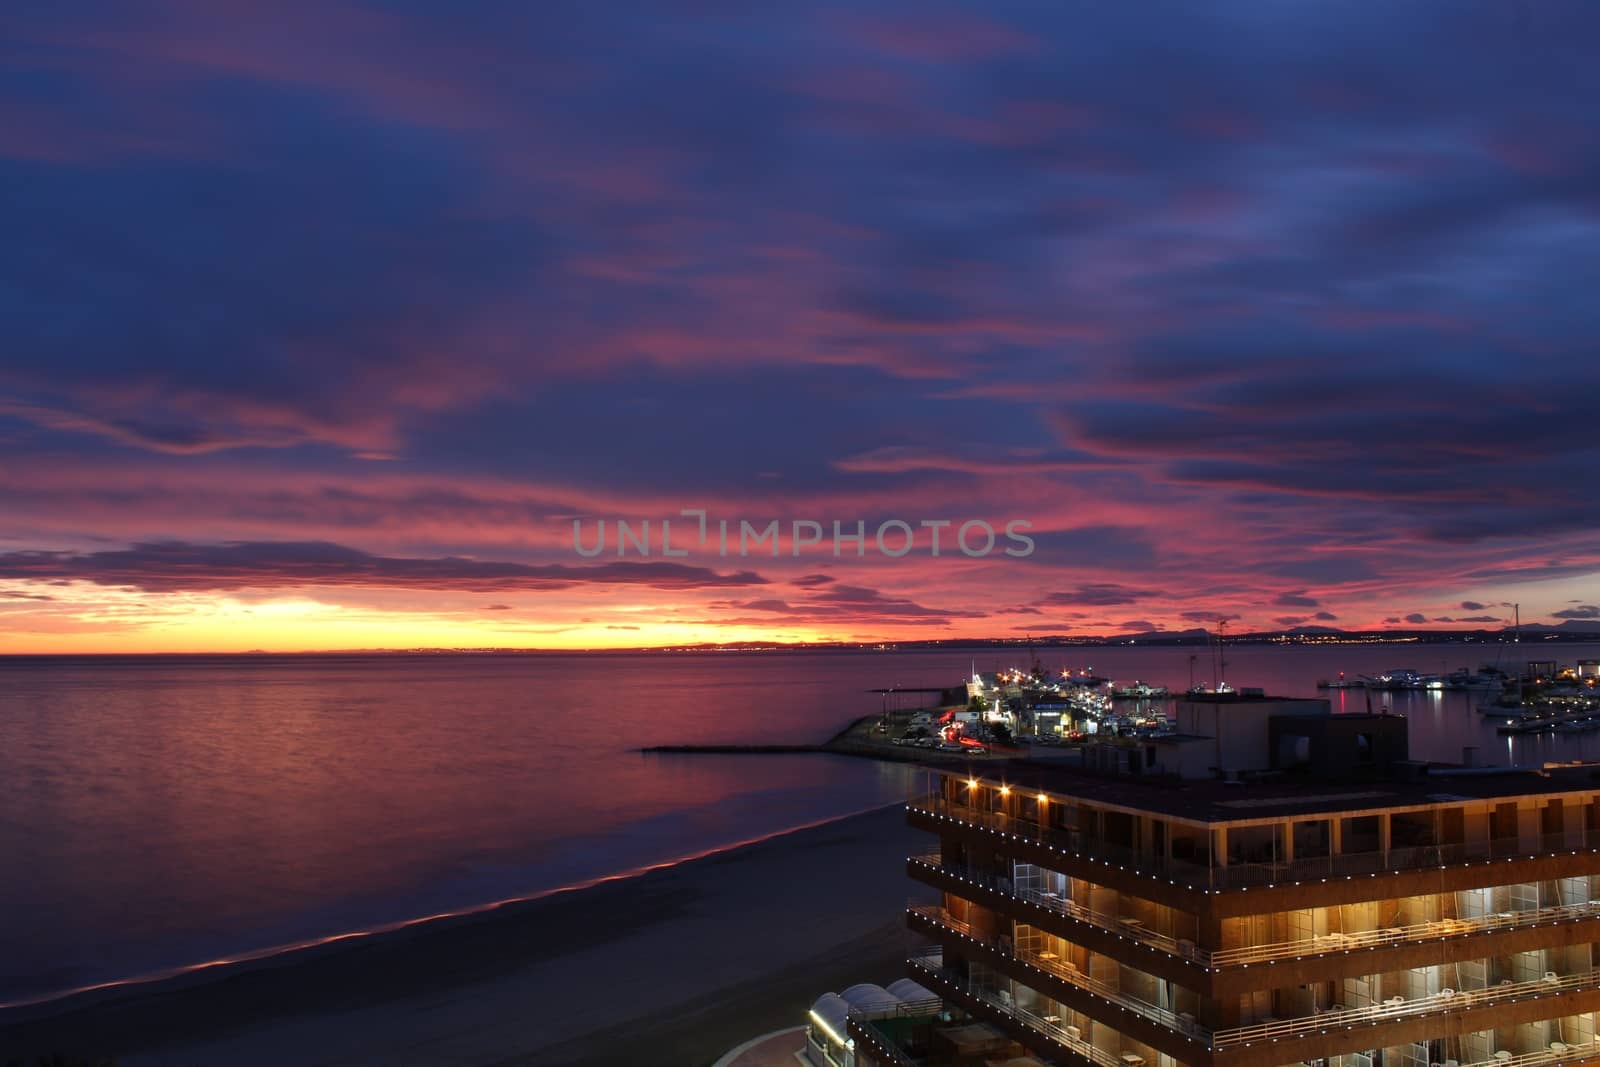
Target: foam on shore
509, 978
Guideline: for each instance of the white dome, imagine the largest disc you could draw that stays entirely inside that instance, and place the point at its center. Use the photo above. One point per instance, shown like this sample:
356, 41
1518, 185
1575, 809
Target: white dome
909, 992
868, 997
831, 1008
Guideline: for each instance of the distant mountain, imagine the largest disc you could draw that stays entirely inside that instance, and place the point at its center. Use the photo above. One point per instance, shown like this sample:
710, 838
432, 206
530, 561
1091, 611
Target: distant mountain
1198, 633
1580, 626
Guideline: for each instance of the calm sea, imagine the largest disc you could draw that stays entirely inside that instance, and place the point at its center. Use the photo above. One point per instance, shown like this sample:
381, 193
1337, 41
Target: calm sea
166, 811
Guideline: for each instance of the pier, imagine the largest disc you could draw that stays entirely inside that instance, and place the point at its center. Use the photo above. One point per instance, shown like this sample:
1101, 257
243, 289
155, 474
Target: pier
861, 738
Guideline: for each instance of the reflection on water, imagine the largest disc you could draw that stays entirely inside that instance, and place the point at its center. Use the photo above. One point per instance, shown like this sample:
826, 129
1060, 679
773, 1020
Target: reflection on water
168, 810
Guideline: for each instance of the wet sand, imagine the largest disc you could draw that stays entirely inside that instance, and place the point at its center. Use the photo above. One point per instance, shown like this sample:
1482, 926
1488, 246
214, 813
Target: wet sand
671, 967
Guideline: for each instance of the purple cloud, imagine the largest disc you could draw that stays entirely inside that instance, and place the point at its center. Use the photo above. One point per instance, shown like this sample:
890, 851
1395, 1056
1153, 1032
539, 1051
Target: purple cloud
176, 565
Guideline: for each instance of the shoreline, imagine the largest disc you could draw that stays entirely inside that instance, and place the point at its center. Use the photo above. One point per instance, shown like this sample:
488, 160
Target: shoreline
44, 1005
463, 987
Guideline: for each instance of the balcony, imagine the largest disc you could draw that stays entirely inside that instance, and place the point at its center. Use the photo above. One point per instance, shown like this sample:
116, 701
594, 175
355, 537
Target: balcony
1066, 841
1322, 944
931, 965
1111, 924
1050, 964
1394, 1009
1244, 875
1451, 1001
1436, 930
1567, 1053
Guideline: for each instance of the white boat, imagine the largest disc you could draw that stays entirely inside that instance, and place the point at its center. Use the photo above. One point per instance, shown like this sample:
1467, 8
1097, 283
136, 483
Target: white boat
1399, 678
1464, 679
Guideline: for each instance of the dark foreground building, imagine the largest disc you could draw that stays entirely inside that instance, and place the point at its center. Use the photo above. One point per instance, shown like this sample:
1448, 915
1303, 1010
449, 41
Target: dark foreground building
1357, 911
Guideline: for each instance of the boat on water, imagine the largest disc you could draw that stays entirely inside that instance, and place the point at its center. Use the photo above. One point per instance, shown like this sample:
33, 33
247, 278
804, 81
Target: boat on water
1538, 724
1398, 678
1341, 682
1469, 680
1550, 722
1580, 726
1139, 691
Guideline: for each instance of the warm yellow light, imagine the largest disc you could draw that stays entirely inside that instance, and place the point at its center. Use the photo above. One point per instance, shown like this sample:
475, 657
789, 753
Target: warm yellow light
1005, 790
823, 1024
972, 783
1043, 798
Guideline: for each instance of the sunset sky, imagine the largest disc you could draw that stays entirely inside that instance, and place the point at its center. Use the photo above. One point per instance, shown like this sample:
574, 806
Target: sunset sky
324, 320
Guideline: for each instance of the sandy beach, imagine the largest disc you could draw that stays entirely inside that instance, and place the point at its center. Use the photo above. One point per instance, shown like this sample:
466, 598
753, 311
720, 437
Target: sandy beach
670, 967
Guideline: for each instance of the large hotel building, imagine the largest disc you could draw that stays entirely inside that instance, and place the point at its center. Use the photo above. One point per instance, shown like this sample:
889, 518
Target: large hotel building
1273, 885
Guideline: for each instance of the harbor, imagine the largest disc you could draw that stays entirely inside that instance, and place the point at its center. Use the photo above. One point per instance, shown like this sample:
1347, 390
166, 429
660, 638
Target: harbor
1056, 713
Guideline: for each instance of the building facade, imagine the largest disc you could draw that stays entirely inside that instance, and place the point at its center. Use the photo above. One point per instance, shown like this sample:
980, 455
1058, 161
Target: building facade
1421, 919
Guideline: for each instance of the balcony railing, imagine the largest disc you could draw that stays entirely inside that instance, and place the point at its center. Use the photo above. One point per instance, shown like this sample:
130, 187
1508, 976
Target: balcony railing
1322, 944
885, 1050
917, 1009
1449, 1000
1242, 875
1055, 902
1567, 1053
1065, 971
1394, 935
1048, 1026
913, 1009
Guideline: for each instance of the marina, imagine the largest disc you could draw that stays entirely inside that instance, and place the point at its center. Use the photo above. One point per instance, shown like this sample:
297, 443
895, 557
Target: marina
1012, 712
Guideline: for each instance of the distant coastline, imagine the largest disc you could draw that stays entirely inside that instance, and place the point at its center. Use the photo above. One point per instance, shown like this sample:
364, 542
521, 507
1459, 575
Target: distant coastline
1573, 631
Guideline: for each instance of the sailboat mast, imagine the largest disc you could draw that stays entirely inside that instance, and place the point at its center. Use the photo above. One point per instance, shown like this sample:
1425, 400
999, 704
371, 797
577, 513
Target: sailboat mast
1213, 641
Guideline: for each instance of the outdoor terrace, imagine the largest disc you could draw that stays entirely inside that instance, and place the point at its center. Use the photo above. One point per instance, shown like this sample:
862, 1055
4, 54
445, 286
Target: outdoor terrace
1322, 944
907, 1036
930, 964
1325, 1022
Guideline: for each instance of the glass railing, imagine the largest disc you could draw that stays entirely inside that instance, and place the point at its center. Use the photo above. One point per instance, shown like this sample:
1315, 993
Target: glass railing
1064, 970
1451, 1000
885, 1045
1558, 1052
1123, 926
1046, 1026
1056, 902
1241, 874
1394, 935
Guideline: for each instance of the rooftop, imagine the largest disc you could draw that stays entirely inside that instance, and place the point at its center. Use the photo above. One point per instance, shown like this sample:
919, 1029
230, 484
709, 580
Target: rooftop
1276, 796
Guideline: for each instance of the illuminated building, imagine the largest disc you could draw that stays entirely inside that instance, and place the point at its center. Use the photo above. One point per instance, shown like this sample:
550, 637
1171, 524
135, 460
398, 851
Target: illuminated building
1335, 905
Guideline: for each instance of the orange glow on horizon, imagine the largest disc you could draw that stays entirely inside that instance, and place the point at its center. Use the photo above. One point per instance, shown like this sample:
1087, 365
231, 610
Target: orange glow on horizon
115, 621
84, 618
